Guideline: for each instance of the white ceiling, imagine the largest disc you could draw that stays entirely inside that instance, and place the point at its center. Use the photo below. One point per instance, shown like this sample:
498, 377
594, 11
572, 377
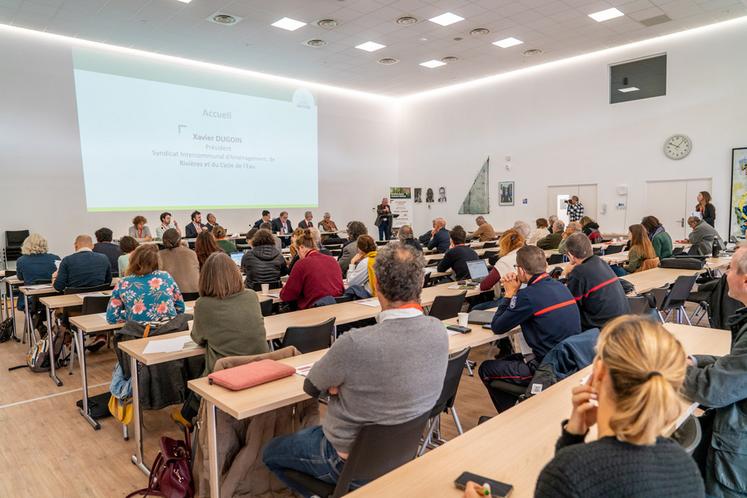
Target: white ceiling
561, 28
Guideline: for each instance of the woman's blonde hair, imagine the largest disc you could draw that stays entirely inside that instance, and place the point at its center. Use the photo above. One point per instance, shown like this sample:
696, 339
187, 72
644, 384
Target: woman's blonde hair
34, 244
646, 365
510, 241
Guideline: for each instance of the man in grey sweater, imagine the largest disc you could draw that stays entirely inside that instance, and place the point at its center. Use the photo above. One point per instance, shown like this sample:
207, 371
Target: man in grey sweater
702, 236
384, 374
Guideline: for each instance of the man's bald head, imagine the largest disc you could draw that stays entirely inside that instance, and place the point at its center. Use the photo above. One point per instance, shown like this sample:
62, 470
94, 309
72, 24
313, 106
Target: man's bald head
82, 241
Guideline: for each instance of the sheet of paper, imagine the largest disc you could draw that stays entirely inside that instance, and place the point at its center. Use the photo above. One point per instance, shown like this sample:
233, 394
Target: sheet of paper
166, 345
371, 301
93, 294
39, 286
453, 332
303, 370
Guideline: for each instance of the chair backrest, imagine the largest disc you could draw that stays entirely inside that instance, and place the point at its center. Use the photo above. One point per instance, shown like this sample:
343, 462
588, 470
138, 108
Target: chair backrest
379, 449
445, 307
614, 249
678, 250
640, 305
453, 376
190, 296
649, 264
266, 307
679, 292
94, 304
555, 259
15, 238
310, 338
83, 290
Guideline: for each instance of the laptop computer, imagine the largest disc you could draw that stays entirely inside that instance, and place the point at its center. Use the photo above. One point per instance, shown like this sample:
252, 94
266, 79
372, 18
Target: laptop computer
478, 270
236, 257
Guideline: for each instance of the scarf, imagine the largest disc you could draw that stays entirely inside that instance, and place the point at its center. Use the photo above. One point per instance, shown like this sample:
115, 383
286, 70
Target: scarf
371, 275
656, 232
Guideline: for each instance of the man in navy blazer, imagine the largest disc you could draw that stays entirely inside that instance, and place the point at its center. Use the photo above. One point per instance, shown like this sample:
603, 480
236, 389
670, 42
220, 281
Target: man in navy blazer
282, 226
83, 268
440, 240
307, 220
193, 229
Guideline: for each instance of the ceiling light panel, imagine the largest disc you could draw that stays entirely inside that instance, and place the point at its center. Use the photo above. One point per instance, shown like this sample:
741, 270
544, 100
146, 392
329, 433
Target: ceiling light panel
446, 19
508, 42
606, 15
432, 64
370, 46
288, 24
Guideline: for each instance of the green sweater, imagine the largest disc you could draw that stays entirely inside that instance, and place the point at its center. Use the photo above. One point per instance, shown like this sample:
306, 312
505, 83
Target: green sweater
233, 326
227, 246
635, 260
662, 243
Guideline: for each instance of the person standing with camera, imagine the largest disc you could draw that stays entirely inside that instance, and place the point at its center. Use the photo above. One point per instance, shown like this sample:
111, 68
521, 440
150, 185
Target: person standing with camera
575, 209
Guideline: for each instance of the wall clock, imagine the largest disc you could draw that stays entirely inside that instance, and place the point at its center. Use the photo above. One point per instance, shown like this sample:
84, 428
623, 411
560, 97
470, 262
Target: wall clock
678, 147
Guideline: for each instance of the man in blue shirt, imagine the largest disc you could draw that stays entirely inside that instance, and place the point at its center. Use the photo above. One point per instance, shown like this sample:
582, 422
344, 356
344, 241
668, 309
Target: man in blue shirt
84, 268
440, 239
547, 313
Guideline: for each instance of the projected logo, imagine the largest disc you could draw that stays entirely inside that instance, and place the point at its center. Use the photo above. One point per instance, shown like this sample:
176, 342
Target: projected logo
303, 99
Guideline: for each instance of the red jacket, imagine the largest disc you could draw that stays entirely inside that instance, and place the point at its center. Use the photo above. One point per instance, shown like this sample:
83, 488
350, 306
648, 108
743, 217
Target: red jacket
312, 278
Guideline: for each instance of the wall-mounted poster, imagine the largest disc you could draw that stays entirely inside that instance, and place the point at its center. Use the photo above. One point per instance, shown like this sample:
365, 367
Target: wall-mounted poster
400, 199
738, 211
506, 193
429, 195
441, 194
418, 195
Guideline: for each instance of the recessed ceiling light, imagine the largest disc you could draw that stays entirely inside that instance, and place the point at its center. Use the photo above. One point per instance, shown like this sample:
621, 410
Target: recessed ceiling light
316, 43
224, 19
532, 52
184, 1
449, 58
288, 24
406, 20
327, 23
479, 31
628, 89
370, 46
446, 19
433, 63
508, 42
388, 61
606, 15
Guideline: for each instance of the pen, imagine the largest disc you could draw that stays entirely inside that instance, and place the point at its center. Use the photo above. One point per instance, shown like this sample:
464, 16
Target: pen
486, 489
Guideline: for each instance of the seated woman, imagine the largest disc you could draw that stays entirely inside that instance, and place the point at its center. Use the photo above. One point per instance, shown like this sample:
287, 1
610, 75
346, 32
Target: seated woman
293, 248
227, 321
313, 277
510, 242
226, 245
640, 251
205, 245
361, 266
139, 230
180, 262
591, 229
145, 294
127, 244
658, 236
35, 265
539, 232
264, 263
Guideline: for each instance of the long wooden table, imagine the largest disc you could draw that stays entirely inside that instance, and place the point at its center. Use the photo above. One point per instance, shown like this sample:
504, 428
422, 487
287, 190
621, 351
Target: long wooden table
283, 392
514, 446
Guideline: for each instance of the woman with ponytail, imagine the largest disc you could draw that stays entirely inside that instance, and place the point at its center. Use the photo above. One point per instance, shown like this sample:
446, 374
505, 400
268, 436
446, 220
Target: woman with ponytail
632, 397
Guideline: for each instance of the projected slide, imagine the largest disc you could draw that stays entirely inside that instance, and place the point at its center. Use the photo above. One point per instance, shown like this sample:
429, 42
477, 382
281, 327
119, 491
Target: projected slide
160, 143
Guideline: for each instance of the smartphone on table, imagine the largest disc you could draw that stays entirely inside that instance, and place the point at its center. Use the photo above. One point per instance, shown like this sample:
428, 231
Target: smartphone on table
498, 489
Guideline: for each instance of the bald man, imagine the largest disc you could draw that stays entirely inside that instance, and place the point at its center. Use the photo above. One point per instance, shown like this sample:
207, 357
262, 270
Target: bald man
84, 268
440, 240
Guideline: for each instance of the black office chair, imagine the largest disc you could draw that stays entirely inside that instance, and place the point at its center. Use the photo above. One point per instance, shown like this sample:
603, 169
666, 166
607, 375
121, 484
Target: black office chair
190, 296
378, 449
642, 305
266, 307
555, 259
445, 307
13, 242
677, 251
445, 403
310, 338
614, 249
675, 299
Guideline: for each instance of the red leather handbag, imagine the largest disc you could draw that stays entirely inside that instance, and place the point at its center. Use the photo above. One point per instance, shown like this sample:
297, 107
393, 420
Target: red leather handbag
171, 475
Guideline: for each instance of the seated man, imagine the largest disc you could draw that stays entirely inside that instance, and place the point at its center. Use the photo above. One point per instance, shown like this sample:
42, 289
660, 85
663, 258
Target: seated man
573, 227
484, 230
406, 236
456, 258
332, 236
83, 268
546, 312
167, 222
388, 373
440, 239
105, 246
718, 383
264, 219
212, 222
195, 227
426, 237
701, 237
307, 221
594, 285
283, 228
552, 241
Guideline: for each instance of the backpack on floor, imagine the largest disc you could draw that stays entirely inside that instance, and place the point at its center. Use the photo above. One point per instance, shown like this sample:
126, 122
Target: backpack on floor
6, 330
37, 359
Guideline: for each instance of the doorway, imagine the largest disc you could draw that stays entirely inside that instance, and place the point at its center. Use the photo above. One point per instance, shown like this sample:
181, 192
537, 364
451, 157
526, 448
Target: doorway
673, 201
558, 195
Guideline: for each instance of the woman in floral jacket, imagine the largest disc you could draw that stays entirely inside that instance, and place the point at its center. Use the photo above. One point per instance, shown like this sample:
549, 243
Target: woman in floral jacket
145, 294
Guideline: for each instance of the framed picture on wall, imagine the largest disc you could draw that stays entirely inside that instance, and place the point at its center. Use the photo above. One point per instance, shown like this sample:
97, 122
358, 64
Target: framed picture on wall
738, 205
506, 193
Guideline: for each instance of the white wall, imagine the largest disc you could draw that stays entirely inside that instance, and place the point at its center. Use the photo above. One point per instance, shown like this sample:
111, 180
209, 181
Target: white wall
41, 184
559, 128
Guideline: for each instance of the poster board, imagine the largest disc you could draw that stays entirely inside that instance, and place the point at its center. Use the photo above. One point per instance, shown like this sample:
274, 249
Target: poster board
738, 205
401, 202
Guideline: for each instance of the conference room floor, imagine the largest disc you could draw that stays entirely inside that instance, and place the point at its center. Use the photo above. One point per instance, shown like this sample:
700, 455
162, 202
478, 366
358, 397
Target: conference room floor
48, 450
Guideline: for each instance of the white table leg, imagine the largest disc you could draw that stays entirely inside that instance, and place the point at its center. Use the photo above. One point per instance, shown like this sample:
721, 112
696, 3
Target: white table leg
213, 451
137, 419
